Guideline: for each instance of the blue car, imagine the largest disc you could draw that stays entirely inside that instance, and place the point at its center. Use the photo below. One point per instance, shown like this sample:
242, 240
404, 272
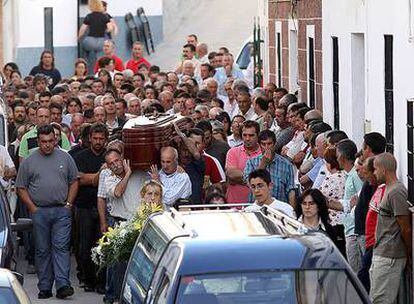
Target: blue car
233, 256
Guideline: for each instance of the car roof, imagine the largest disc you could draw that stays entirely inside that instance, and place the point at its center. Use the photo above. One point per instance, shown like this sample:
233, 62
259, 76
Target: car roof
6, 277
311, 251
227, 223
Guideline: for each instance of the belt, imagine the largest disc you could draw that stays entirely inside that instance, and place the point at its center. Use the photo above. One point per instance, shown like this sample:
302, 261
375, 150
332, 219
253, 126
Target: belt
51, 205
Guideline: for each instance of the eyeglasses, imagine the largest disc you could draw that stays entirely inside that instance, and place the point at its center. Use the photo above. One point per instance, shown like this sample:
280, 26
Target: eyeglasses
257, 187
308, 204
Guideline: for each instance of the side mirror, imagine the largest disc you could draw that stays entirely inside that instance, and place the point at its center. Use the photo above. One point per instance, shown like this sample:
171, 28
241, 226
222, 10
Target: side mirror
19, 277
22, 224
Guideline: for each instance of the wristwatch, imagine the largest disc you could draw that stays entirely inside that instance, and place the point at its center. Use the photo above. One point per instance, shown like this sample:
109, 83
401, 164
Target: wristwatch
67, 204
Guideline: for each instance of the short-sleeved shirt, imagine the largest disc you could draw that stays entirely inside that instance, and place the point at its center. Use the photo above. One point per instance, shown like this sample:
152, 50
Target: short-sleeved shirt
219, 150
53, 75
276, 204
214, 172
333, 187
353, 184
372, 217
127, 205
97, 24
47, 177
196, 170
88, 162
5, 162
361, 207
281, 173
389, 242
29, 143
237, 158
119, 65
134, 65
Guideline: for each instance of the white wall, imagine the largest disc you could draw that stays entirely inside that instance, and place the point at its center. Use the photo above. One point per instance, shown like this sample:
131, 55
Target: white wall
122, 7
10, 30
31, 22
374, 18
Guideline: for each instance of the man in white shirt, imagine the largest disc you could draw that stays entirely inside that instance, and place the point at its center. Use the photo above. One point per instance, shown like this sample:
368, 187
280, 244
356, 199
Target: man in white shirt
230, 103
245, 105
175, 184
7, 169
261, 186
202, 53
118, 196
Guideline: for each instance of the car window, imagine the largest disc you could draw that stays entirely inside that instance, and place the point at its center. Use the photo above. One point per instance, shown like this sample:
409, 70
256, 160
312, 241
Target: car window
313, 286
161, 297
7, 296
146, 254
244, 57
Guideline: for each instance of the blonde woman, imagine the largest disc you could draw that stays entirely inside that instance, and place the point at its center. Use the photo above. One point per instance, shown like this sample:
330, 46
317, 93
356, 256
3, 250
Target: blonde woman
151, 193
98, 23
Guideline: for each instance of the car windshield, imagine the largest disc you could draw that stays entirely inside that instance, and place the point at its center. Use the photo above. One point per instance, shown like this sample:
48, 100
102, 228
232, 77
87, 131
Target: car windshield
7, 296
244, 58
305, 286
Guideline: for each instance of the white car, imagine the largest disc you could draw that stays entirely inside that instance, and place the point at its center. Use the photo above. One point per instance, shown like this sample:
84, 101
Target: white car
11, 291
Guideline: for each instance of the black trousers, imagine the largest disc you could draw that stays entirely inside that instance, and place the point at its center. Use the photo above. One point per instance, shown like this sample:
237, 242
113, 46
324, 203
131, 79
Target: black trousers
340, 238
363, 273
87, 222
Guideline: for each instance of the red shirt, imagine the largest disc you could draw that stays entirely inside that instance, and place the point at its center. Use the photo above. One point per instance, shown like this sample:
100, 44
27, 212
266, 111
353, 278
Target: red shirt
213, 175
119, 65
372, 216
133, 64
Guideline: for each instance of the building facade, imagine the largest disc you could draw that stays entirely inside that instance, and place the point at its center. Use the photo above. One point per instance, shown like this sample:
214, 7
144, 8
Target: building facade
368, 62
294, 43
30, 26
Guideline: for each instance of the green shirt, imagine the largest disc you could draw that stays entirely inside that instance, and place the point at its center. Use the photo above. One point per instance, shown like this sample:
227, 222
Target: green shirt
29, 144
353, 184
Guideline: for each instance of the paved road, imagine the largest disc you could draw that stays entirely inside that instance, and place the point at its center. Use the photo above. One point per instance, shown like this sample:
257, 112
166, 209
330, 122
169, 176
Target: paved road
216, 22
80, 297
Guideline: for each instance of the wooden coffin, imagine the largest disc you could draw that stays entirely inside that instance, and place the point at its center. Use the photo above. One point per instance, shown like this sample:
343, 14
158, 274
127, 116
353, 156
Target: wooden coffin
144, 137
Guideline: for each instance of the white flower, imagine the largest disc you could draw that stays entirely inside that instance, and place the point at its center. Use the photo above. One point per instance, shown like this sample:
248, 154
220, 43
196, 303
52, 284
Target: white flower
122, 233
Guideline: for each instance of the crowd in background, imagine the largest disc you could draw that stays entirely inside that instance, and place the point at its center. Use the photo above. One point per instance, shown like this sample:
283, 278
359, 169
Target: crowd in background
241, 145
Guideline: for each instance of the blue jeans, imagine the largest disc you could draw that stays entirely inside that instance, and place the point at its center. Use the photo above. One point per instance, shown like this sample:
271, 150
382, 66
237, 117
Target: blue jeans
92, 46
114, 274
52, 229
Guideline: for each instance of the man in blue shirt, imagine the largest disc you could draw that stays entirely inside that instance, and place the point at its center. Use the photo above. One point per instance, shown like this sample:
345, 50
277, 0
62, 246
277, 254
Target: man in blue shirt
280, 169
346, 151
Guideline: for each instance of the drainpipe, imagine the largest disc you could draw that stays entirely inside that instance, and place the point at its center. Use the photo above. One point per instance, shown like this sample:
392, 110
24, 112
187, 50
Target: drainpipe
78, 22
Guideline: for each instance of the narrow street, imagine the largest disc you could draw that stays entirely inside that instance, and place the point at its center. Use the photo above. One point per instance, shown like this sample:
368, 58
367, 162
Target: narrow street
80, 296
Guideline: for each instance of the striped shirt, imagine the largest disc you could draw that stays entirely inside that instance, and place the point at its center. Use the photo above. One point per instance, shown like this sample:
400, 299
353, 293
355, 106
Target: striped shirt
281, 173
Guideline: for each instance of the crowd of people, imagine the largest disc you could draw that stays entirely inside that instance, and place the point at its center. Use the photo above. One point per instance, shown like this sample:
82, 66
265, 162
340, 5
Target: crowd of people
242, 145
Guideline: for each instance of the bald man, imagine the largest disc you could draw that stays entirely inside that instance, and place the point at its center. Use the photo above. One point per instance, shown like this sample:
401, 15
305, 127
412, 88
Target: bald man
175, 184
392, 250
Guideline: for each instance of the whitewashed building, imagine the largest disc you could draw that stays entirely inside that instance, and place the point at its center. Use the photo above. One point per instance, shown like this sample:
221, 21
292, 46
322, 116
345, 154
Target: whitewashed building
368, 65
29, 26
